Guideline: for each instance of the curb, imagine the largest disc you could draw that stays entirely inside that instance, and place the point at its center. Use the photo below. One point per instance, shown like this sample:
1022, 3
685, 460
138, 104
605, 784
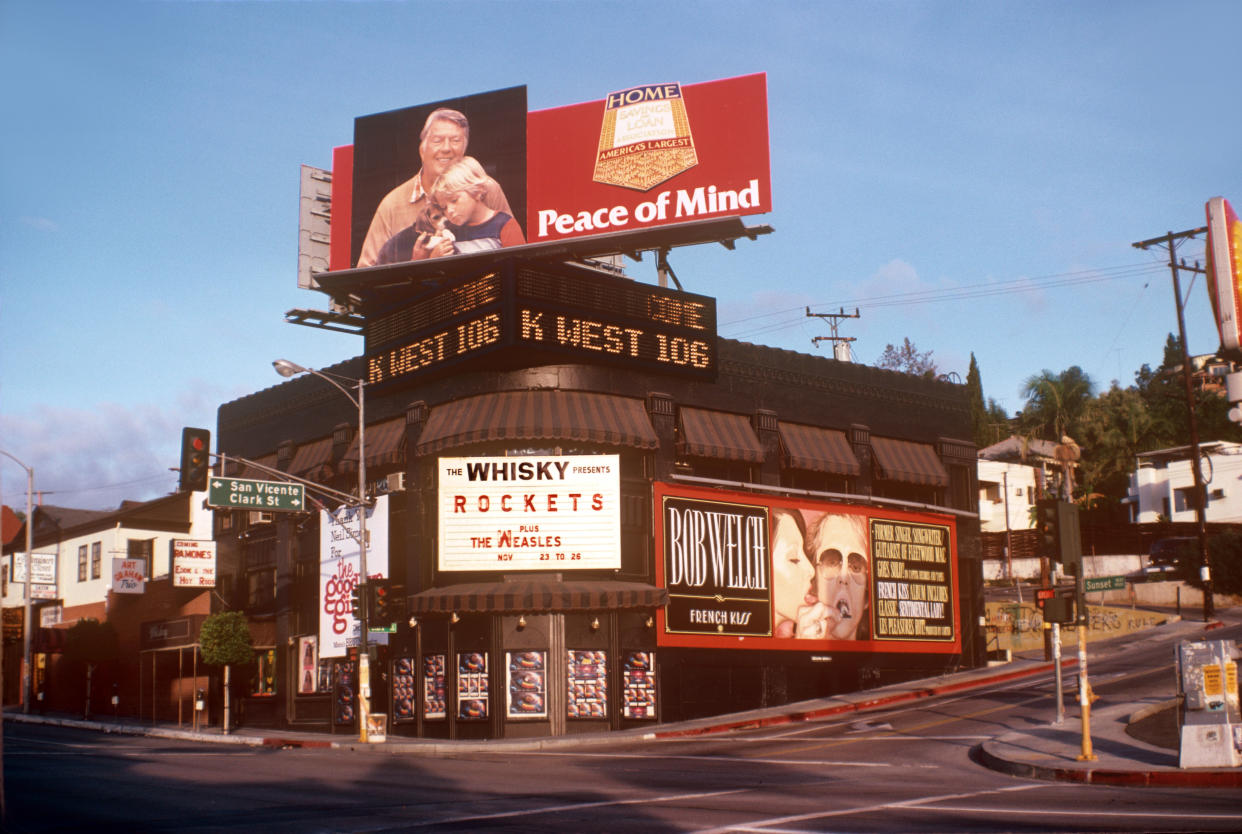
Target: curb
861, 705
1109, 776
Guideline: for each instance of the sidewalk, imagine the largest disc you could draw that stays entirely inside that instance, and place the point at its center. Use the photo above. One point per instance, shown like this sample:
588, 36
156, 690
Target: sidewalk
1042, 751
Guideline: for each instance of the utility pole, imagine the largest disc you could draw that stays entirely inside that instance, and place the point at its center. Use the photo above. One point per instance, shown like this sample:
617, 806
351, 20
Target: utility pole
1169, 240
840, 344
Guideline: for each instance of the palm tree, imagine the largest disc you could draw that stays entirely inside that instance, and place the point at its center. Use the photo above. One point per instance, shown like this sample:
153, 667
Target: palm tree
1055, 403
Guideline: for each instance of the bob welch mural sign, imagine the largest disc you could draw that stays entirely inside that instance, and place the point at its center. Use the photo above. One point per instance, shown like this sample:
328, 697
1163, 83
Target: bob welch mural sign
748, 571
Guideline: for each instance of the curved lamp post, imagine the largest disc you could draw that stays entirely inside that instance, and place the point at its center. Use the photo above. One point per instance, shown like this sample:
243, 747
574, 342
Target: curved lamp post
289, 369
27, 692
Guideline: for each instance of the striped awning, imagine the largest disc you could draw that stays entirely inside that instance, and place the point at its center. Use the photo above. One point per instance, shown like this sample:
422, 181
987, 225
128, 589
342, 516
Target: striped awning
311, 455
537, 594
538, 415
383, 444
912, 463
816, 449
240, 470
717, 434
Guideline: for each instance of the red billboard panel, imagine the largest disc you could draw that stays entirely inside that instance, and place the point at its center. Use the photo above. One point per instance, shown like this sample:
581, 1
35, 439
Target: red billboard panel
1224, 271
477, 173
649, 156
758, 572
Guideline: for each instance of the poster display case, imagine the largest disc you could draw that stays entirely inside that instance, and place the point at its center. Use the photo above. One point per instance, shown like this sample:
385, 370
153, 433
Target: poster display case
435, 701
344, 692
588, 684
638, 685
527, 685
472, 686
404, 689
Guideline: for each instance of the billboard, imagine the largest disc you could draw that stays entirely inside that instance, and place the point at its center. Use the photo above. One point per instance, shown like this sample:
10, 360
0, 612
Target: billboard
193, 563
340, 571
1224, 271
129, 576
759, 572
556, 513
44, 568
474, 147
649, 156
479, 173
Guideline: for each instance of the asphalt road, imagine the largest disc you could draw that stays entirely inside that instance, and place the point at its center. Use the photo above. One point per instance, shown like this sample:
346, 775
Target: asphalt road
900, 769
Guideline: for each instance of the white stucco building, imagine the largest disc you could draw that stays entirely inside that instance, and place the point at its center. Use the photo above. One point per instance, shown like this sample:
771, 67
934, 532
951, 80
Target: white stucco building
1007, 491
81, 545
1162, 486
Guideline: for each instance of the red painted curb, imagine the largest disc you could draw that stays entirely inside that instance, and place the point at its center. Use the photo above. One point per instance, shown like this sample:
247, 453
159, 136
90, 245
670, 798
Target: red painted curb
859, 706
292, 742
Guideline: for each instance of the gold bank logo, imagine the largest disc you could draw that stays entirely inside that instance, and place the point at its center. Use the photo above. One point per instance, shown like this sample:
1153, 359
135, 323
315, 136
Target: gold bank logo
645, 138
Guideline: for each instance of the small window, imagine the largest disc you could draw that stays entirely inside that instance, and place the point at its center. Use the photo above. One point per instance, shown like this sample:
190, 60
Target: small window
82, 563
96, 560
144, 550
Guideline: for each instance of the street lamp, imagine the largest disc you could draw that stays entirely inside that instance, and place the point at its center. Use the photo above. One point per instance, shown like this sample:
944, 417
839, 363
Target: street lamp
27, 692
288, 369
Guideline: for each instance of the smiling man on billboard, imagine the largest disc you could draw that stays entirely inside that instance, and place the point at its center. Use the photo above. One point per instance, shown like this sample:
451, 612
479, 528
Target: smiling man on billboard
397, 174
442, 144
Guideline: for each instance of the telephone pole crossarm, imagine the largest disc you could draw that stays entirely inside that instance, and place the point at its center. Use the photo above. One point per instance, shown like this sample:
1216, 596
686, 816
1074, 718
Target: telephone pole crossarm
839, 343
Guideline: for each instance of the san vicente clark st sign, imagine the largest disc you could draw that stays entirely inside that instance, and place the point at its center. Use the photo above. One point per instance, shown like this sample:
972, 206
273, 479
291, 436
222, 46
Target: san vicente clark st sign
246, 493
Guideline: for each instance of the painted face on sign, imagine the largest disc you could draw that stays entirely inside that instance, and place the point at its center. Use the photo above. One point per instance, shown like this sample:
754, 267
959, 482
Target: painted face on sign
837, 544
444, 144
792, 571
461, 208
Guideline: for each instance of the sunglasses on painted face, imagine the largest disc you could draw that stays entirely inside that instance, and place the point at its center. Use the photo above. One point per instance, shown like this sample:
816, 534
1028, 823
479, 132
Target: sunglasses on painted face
831, 561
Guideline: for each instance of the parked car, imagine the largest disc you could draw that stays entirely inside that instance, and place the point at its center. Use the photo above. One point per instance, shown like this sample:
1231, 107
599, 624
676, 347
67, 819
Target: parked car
1170, 559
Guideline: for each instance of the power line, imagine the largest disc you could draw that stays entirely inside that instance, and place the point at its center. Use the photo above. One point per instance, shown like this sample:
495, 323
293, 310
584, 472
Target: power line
966, 292
146, 480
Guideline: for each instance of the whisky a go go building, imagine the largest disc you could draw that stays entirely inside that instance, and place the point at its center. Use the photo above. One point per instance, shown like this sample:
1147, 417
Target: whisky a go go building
594, 511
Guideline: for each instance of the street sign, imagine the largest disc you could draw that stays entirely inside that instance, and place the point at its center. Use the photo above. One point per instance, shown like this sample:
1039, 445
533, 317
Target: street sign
244, 493
1104, 583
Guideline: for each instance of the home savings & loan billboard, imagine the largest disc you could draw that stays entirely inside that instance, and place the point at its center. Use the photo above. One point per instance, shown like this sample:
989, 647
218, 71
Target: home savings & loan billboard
649, 156
759, 572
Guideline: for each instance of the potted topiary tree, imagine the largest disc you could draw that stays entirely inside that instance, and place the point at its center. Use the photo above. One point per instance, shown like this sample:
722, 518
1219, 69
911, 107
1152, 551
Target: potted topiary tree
224, 640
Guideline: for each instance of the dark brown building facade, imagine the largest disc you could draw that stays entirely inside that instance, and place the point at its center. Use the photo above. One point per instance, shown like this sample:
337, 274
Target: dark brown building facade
715, 452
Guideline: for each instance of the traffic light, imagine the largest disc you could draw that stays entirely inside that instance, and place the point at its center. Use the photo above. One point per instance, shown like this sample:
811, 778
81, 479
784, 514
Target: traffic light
383, 597
356, 605
1058, 609
1071, 538
195, 459
1046, 517
1059, 537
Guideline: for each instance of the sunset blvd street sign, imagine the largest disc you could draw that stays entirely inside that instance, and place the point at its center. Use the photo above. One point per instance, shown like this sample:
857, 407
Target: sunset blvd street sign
256, 495
1104, 583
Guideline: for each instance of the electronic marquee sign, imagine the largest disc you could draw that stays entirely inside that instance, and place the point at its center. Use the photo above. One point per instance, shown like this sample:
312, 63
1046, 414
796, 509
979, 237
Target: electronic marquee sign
480, 173
525, 315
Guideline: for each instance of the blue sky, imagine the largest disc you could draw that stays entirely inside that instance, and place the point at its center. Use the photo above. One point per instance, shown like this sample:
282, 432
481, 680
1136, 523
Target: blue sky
969, 175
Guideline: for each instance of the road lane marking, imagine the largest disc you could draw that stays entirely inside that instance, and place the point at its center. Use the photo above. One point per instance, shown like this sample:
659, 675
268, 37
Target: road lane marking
766, 825
710, 758
573, 806
1088, 813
